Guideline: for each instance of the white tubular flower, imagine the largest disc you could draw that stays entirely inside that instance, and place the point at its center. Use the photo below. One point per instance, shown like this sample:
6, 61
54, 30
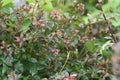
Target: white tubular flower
19, 3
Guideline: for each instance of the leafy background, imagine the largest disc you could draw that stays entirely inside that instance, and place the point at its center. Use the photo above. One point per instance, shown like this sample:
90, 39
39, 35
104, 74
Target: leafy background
72, 40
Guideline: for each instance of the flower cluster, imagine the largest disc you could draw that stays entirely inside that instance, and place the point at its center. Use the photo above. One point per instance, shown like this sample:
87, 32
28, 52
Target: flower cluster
39, 22
55, 14
12, 76
71, 77
6, 48
20, 40
55, 51
80, 7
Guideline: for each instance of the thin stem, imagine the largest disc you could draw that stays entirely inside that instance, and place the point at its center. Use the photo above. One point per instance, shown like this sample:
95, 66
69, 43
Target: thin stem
110, 30
108, 25
68, 55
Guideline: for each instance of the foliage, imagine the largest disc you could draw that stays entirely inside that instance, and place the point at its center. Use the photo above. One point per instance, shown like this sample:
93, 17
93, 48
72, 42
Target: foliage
47, 39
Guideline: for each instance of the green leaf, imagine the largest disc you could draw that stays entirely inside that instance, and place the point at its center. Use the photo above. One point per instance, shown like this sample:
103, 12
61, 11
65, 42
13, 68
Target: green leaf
105, 46
10, 78
19, 66
33, 70
106, 53
90, 45
6, 2
116, 22
25, 25
0, 52
33, 60
46, 5
31, 1
26, 78
115, 5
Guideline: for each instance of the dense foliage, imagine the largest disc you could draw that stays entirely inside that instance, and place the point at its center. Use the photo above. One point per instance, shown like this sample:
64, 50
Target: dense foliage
57, 39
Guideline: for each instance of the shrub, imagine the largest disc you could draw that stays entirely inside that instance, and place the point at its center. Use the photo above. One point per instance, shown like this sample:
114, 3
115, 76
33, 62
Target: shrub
50, 39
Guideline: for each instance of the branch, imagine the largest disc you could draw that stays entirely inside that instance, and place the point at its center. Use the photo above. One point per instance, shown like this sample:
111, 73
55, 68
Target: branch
108, 24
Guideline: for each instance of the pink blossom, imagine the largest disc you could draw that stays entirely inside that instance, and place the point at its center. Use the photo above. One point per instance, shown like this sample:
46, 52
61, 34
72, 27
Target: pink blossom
66, 40
71, 77
5, 48
40, 22
55, 14
55, 51
20, 40
59, 33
